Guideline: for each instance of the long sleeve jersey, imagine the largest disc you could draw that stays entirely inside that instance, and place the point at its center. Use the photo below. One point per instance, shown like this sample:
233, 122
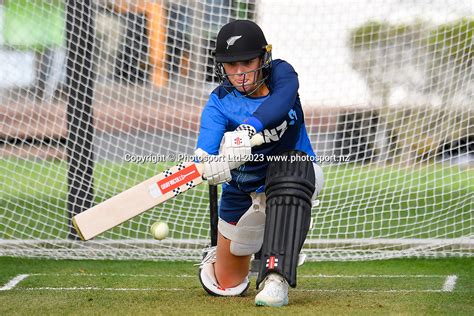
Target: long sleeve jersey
278, 116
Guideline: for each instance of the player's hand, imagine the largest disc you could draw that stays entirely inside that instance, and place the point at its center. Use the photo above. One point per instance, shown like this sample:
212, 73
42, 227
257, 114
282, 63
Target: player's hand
216, 167
217, 170
236, 148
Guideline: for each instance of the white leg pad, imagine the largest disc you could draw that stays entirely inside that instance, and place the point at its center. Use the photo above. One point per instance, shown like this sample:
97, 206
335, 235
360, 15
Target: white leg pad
247, 235
319, 175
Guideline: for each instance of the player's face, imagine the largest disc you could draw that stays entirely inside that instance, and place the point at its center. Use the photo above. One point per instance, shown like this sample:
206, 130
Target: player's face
244, 75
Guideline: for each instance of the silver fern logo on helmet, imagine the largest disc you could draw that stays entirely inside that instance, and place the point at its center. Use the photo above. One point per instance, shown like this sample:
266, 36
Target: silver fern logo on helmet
231, 40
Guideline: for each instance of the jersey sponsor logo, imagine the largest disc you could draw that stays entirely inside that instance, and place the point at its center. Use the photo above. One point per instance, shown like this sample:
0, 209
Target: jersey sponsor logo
293, 116
275, 134
231, 40
178, 179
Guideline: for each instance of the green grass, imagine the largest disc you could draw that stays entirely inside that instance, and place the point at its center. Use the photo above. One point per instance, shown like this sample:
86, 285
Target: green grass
428, 202
34, 195
357, 201
403, 293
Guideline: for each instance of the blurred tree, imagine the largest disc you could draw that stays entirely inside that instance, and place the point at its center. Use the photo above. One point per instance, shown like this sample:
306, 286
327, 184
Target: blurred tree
37, 25
432, 67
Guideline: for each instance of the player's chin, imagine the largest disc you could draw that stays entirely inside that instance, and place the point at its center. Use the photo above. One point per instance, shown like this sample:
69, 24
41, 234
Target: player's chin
245, 89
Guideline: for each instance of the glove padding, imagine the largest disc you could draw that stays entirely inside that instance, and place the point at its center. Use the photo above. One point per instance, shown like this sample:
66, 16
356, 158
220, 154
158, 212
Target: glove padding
216, 167
236, 147
217, 171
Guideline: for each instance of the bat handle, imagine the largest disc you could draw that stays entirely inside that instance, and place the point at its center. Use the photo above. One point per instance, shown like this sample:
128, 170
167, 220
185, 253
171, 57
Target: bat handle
256, 140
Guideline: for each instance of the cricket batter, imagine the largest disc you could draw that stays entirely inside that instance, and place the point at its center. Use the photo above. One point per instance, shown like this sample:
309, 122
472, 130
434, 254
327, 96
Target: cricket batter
267, 190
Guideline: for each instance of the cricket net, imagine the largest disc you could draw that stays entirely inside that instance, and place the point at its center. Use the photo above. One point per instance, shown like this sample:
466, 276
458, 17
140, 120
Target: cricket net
97, 96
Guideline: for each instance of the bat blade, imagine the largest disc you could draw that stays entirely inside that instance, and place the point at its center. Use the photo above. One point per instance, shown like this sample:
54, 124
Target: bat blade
137, 199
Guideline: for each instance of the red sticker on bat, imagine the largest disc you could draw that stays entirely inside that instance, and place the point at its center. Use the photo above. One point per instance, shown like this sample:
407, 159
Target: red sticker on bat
178, 179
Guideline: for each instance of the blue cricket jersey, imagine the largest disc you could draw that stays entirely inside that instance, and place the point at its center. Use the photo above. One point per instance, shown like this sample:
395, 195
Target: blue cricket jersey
278, 116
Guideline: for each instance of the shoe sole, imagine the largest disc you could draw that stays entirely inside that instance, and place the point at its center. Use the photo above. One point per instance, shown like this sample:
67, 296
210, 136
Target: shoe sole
262, 303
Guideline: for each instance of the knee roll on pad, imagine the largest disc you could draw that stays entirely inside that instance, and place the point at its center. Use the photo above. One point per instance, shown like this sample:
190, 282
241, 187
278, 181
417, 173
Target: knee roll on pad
289, 189
246, 237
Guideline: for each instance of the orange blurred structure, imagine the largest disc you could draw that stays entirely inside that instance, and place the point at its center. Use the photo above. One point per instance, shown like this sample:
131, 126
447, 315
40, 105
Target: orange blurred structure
156, 26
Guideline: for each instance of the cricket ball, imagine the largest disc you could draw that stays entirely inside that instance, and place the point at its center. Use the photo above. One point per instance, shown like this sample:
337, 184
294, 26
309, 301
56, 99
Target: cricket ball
159, 230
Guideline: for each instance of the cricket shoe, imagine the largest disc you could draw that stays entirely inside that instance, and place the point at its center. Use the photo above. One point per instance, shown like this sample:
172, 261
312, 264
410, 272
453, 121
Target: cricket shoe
208, 256
274, 292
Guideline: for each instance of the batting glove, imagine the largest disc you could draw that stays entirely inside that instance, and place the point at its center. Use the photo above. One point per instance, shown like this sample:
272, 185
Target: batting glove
236, 148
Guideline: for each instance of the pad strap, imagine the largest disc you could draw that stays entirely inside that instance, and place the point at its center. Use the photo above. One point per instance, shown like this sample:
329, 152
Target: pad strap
246, 235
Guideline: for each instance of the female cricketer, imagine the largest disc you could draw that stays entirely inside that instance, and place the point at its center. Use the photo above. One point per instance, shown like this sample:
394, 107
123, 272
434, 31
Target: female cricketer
267, 190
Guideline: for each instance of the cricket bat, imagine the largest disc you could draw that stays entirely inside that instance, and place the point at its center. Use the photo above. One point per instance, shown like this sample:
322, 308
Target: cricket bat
136, 200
